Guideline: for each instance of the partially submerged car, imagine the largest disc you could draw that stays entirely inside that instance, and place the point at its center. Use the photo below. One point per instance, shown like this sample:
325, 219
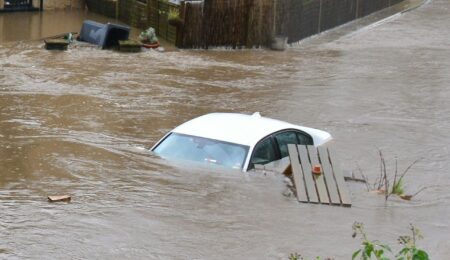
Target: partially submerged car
236, 141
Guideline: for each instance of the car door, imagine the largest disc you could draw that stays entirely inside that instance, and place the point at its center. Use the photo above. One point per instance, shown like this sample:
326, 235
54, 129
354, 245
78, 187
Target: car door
274, 147
263, 153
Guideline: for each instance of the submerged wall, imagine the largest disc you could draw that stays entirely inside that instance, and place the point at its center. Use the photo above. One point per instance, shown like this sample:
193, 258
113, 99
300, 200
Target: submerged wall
59, 4
63, 4
46, 5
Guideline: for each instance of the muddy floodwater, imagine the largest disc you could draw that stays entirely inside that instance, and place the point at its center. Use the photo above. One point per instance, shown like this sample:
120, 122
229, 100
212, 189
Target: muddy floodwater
79, 123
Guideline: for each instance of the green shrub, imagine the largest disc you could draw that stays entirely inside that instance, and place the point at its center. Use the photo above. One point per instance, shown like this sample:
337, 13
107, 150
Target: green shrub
376, 250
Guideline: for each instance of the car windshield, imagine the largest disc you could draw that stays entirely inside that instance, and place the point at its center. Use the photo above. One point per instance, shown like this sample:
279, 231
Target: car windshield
199, 149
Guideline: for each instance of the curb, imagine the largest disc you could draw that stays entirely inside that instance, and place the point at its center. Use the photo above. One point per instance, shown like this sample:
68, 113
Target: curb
421, 3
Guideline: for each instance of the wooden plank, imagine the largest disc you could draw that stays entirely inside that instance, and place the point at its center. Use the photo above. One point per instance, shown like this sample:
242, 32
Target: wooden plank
297, 172
342, 188
320, 180
329, 177
65, 198
309, 181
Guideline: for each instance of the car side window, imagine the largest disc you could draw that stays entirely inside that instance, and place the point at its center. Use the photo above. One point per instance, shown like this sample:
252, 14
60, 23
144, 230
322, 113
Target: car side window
291, 137
283, 139
263, 153
304, 139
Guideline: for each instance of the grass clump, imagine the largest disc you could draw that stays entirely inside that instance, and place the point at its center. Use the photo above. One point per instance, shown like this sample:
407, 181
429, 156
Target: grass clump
390, 183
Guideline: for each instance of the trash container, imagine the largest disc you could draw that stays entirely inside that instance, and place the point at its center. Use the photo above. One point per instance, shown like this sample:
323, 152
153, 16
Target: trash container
279, 43
103, 35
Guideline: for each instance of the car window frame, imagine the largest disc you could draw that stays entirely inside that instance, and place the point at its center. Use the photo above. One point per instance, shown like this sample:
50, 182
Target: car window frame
275, 143
275, 150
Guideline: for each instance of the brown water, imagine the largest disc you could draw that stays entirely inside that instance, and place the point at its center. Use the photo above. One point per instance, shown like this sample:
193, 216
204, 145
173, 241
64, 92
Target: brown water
76, 123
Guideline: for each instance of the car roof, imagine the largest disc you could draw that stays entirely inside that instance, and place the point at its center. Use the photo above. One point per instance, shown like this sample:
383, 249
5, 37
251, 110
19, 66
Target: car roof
241, 128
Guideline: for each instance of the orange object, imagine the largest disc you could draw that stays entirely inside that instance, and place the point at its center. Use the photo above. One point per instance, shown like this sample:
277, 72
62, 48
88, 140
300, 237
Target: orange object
317, 169
151, 46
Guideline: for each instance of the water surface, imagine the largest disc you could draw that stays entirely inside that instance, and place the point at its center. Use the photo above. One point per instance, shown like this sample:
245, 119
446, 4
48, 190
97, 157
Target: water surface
77, 123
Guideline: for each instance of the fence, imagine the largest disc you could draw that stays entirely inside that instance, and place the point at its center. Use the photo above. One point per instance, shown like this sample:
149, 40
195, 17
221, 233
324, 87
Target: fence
249, 23
140, 14
237, 23
158, 14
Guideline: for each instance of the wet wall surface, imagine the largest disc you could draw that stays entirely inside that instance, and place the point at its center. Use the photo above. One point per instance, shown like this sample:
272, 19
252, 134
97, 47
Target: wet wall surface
78, 123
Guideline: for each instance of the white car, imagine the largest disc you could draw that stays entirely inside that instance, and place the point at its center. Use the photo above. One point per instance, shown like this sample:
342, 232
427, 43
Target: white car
235, 140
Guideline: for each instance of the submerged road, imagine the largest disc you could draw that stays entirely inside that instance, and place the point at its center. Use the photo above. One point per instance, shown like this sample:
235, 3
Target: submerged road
77, 123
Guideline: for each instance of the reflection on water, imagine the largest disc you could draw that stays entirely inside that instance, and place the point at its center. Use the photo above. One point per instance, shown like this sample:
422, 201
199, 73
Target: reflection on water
76, 123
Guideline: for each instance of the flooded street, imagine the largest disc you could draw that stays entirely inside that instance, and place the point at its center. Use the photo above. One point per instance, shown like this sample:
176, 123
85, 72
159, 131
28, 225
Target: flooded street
78, 123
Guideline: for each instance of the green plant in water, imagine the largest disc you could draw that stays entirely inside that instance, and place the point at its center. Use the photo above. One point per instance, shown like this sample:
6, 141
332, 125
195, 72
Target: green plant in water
374, 249
397, 188
369, 248
410, 250
296, 256
388, 186
397, 185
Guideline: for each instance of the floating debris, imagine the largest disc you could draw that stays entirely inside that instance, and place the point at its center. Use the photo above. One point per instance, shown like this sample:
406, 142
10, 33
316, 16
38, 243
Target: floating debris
148, 36
56, 44
317, 169
63, 198
279, 43
104, 35
406, 197
317, 182
130, 46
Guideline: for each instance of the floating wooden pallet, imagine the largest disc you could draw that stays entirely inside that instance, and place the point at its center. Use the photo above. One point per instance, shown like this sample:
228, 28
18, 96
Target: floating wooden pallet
56, 44
325, 188
130, 46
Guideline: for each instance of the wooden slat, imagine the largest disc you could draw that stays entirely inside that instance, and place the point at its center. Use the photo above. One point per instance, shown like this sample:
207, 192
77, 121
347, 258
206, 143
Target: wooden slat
309, 181
329, 177
343, 192
297, 173
320, 182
